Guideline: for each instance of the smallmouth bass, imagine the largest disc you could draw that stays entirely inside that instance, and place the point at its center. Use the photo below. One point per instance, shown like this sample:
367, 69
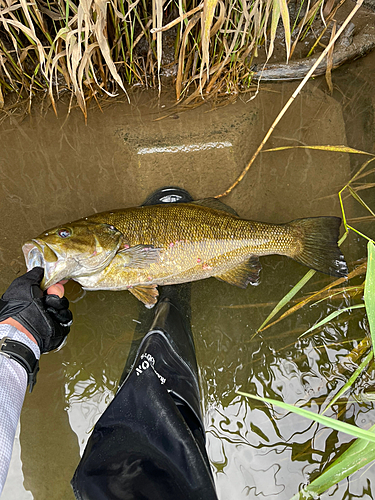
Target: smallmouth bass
139, 248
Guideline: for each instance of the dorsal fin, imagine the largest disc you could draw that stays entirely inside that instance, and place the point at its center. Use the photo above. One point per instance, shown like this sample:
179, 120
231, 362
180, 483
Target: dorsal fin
245, 273
216, 205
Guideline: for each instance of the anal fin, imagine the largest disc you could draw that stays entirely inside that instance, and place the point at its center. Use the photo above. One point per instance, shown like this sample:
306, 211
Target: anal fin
243, 274
148, 294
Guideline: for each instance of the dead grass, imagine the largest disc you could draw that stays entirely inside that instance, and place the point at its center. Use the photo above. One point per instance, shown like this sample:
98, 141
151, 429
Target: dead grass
90, 48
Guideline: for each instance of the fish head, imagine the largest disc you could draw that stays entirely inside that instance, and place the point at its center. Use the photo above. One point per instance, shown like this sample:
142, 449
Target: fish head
77, 249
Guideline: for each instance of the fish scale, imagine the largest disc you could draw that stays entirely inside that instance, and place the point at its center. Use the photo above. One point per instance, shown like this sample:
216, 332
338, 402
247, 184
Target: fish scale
221, 241
186, 233
165, 224
175, 243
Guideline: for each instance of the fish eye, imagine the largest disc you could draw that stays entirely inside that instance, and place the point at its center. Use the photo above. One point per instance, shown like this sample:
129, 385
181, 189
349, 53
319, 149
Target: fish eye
64, 233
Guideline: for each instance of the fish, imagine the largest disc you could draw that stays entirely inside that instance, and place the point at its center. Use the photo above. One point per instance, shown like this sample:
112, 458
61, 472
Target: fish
140, 248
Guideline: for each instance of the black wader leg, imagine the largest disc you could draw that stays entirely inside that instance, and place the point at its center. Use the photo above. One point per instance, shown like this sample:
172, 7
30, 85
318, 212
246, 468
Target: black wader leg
149, 444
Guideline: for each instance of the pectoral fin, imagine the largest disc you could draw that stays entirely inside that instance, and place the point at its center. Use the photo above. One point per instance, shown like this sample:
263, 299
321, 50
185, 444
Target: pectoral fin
147, 294
139, 256
245, 273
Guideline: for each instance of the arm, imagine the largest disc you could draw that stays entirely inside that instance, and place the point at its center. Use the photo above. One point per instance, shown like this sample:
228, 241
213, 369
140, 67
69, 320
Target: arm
24, 308
13, 383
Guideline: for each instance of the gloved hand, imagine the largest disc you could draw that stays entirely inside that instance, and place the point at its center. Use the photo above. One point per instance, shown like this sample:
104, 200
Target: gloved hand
46, 317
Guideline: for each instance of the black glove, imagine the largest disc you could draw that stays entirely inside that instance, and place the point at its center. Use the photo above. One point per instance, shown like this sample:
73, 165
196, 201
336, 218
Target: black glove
46, 317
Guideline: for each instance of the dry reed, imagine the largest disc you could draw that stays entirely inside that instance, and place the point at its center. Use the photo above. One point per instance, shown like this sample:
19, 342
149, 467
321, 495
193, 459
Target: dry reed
95, 47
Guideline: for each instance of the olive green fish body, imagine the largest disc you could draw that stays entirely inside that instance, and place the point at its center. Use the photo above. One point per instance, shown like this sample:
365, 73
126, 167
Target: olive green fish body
194, 243
140, 248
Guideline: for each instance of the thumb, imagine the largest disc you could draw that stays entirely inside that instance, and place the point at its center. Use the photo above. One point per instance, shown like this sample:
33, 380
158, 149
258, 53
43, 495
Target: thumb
56, 289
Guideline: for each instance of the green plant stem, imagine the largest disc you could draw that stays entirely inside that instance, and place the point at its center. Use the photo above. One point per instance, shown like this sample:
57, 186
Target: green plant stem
351, 380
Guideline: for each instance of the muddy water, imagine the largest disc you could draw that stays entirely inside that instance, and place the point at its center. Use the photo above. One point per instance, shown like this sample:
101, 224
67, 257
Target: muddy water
53, 170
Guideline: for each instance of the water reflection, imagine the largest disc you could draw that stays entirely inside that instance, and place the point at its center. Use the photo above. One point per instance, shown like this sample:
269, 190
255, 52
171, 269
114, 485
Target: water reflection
258, 450
86, 404
186, 148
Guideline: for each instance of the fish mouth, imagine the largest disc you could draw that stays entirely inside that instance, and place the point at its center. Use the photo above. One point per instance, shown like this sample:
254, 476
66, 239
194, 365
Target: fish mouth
40, 254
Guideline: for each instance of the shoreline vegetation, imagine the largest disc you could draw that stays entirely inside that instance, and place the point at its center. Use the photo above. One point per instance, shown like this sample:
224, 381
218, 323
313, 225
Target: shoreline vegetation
92, 48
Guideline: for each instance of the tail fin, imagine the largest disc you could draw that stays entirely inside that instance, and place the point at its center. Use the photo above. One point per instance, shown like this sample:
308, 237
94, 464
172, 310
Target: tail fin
318, 245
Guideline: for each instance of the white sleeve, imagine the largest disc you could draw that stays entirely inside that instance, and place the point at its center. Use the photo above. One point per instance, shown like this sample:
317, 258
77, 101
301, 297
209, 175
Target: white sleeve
13, 383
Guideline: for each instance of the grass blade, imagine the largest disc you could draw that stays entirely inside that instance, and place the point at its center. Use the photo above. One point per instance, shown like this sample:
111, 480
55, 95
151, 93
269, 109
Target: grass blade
369, 295
158, 23
351, 380
274, 23
302, 282
359, 454
358, 271
99, 29
286, 22
339, 149
207, 17
337, 425
359, 199
330, 317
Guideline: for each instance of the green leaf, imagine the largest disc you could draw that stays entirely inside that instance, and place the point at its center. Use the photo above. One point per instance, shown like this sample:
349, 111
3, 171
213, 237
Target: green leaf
359, 454
330, 317
359, 199
337, 425
352, 379
359, 232
288, 297
369, 295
